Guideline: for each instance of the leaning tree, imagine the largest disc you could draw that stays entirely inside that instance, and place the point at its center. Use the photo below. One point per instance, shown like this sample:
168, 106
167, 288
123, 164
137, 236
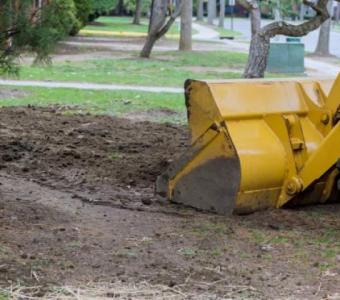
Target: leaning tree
260, 42
163, 15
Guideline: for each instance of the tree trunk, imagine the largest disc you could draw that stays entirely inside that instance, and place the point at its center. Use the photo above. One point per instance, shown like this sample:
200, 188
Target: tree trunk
211, 11
222, 14
322, 47
159, 25
138, 12
337, 17
200, 10
149, 43
255, 17
258, 55
119, 8
253, 7
185, 41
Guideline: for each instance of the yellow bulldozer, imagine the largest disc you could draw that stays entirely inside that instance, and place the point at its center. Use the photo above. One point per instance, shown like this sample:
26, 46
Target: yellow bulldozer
258, 144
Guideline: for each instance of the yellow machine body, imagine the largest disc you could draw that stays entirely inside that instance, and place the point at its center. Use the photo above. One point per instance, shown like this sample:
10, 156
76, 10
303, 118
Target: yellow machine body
258, 144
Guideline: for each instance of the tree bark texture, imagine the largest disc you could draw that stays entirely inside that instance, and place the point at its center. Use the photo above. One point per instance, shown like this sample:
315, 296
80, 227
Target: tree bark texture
258, 53
185, 41
322, 47
200, 10
211, 11
260, 42
222, 14
255, 17
159, 23
138, 12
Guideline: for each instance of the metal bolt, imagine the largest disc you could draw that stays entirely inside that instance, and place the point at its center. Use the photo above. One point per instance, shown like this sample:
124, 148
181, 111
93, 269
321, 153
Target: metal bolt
291, 189
294, 186
325, 118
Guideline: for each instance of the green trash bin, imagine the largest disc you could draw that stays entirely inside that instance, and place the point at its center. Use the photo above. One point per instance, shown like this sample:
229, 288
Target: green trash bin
287, 57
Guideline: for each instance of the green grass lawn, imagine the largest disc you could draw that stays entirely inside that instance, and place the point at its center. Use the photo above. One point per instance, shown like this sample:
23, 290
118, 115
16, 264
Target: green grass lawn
118, 24
123, 24
165, 69
228, 32
115, 103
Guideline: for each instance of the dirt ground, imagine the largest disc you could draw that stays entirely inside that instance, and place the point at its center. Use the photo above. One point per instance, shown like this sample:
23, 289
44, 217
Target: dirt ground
77, 207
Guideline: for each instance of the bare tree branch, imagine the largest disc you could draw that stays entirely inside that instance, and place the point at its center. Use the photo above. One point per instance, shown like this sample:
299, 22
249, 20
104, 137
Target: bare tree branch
171, 20
283, 28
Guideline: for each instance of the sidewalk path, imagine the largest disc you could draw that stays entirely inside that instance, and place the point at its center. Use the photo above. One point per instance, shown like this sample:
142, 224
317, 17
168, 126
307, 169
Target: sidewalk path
90, 86
204, 33
319, 68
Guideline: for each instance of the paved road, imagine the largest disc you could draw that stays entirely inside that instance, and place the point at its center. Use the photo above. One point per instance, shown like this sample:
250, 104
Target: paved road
243, 25
91, 86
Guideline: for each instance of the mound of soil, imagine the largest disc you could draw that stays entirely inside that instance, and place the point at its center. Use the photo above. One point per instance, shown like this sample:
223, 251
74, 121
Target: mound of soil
86, 152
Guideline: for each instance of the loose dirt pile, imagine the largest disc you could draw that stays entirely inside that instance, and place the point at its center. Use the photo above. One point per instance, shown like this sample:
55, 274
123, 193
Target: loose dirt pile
77, 207
86, 153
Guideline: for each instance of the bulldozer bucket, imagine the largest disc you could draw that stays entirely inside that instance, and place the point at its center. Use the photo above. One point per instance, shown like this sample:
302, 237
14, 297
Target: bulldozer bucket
257, 144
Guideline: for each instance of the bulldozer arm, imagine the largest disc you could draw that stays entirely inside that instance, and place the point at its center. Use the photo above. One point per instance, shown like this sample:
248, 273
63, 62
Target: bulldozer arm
257, 144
